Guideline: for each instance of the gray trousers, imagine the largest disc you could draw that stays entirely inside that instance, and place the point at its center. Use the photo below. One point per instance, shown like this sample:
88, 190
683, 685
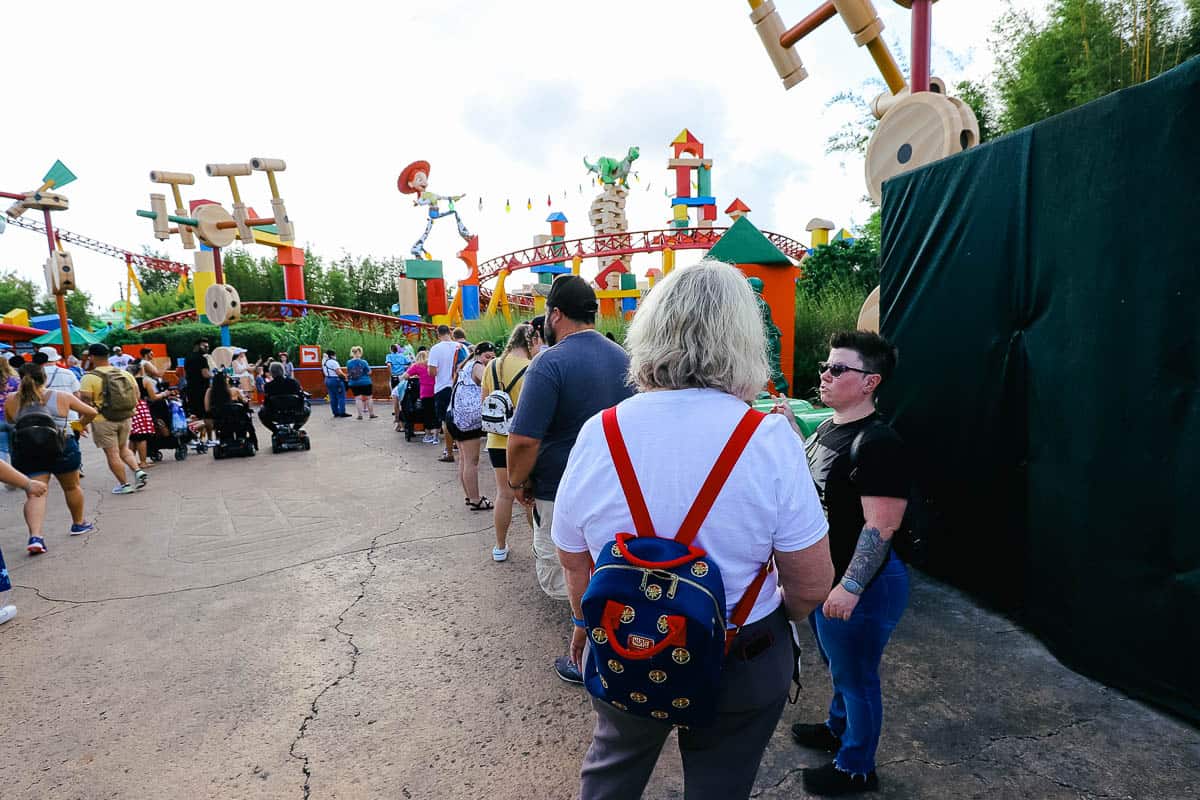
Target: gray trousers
719, 762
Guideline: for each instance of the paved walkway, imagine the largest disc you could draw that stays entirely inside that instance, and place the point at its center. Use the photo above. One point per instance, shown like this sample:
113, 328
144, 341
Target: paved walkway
330, 625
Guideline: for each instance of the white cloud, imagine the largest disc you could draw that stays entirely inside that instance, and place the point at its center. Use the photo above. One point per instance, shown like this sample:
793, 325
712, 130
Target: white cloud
503, 99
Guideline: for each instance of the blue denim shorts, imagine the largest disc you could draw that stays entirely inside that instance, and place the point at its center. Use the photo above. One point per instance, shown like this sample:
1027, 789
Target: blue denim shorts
68, 462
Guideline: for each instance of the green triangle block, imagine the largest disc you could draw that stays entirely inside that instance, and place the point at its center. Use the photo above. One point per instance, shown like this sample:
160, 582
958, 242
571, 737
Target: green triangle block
59, 174
744, 244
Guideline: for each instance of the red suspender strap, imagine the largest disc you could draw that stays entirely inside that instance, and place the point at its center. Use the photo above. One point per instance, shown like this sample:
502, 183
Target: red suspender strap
629, 482
741, 612
717, 477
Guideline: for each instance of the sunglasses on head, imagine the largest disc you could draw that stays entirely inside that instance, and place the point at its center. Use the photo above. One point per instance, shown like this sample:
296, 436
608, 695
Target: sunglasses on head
838, 370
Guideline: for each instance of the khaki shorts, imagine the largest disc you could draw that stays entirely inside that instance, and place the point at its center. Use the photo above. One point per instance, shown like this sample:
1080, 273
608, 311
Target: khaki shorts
111, 434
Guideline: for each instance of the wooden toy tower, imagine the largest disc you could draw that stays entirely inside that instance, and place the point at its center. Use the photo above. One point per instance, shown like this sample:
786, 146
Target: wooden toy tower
688, 156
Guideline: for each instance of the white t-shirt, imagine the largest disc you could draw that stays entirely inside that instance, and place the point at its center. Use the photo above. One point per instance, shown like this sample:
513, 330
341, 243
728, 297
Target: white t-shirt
441, 355
120, 362
62, 379
674, 437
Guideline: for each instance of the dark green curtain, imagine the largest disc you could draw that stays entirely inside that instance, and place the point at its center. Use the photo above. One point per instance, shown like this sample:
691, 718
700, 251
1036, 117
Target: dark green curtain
1043, 291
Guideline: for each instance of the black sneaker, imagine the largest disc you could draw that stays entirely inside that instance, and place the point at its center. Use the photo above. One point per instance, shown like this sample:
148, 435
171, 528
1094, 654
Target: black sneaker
817, 736
829, 781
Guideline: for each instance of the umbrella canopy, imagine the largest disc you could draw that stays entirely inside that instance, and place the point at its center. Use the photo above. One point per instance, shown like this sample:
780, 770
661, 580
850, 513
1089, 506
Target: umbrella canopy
78, 336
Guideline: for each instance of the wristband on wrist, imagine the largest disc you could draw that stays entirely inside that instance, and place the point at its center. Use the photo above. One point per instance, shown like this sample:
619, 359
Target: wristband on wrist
578, 622
852, 586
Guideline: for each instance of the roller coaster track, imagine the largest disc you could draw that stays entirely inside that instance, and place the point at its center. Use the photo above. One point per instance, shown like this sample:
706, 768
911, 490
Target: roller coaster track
622, 244
98, 246
290, 312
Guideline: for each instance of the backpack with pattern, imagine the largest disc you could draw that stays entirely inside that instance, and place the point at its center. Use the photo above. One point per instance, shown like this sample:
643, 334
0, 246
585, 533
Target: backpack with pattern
655, 608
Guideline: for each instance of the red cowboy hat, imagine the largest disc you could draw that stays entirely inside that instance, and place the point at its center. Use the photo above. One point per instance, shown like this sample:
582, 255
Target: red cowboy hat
406, 175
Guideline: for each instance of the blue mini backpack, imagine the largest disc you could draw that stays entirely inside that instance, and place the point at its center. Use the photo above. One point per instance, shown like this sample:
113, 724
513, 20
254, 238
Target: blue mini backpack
655, 608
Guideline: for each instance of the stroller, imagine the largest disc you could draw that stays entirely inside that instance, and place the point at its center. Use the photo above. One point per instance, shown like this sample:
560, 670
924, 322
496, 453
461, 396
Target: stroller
235, 431
410, 406
170, 430
284, 415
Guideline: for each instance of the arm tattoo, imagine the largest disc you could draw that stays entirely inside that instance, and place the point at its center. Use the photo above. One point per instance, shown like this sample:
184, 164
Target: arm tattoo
869, 555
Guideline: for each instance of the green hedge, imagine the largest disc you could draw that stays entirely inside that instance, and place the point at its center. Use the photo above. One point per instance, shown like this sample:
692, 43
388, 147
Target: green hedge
256, 337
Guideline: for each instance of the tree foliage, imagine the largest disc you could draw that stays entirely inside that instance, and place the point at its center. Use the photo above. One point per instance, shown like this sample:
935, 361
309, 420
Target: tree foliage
1085, 49
841, 265
17, 292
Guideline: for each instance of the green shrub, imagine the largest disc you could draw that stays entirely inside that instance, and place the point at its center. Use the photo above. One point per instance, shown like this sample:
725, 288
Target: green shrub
818, 315
122, 337
256, 337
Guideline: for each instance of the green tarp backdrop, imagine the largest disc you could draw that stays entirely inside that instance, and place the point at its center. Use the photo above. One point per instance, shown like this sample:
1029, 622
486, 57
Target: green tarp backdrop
1044, 292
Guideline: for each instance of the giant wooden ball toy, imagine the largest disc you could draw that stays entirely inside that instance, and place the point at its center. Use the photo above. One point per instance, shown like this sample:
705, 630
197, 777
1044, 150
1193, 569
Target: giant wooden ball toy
222, 304
209, 216
868, 316
917, 130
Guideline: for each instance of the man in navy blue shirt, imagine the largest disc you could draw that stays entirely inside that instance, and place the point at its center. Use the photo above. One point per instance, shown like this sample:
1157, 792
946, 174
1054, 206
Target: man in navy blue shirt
579, 375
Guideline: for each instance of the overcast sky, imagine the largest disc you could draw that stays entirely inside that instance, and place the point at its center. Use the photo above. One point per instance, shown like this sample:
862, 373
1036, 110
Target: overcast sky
504, 99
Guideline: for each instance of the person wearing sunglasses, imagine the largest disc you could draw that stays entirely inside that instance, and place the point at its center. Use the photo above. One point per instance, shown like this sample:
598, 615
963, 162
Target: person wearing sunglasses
864, 496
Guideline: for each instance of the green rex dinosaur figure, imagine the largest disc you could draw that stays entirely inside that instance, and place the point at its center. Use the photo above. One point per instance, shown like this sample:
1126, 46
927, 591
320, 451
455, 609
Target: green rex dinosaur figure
611, 170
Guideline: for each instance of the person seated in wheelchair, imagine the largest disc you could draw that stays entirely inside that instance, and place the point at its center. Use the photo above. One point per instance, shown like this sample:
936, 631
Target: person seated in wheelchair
230, 413
284, 401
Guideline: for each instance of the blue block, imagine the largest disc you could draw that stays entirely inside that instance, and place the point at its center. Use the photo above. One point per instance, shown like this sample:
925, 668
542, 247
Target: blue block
694, 201
287, 312
553, 269
45, 322
470, 301
628, 304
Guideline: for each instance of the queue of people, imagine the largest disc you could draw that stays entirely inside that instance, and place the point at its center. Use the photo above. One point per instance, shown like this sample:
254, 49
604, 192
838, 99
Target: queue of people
600, 442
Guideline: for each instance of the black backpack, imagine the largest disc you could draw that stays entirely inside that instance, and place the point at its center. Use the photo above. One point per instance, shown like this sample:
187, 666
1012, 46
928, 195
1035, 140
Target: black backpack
37, 441
911, 539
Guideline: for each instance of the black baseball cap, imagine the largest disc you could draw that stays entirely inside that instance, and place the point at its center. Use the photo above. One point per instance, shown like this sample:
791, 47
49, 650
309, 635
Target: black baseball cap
98, 349
572, 295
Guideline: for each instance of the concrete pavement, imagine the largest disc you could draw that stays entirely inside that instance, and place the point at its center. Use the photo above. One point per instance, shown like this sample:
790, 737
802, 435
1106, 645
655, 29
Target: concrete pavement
330, 625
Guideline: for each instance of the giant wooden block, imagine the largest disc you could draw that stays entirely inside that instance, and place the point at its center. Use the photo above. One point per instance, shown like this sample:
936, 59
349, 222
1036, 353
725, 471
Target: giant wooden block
435, 296
420, 269
406, 288
770, 28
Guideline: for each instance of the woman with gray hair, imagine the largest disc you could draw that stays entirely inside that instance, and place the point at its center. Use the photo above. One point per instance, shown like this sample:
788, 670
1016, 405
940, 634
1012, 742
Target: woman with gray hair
697, 357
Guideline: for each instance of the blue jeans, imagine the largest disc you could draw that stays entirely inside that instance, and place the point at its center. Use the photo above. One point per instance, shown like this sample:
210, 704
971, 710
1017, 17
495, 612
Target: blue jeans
337, 395
5, 585
853, 649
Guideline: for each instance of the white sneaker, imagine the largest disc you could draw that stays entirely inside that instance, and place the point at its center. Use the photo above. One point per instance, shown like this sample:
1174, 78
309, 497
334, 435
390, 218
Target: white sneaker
124, 488
499, 555
7, 613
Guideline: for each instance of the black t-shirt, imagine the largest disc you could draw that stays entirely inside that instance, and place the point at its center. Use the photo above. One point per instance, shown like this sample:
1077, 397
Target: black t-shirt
193, 369
881, 471
282, 386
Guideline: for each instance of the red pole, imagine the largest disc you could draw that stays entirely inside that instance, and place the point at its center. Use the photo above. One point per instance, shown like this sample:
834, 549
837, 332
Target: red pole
59, 299
922, 43
217, 265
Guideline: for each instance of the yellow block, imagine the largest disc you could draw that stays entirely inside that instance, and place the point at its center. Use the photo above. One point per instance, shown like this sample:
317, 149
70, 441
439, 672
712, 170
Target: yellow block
617, 294
820, 237
539, 305
576, 264
680, 212
668, 261
200, 283
18, 316
441, 319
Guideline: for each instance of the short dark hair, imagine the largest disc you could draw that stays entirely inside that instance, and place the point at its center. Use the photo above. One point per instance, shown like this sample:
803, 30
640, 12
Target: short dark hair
146, 350
443, 330
200, 341
878, 355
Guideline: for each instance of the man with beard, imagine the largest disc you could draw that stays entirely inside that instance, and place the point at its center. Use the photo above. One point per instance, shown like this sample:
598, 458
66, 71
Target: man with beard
578, 375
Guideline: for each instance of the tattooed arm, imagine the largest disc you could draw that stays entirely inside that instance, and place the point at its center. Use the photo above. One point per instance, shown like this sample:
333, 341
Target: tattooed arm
883, 516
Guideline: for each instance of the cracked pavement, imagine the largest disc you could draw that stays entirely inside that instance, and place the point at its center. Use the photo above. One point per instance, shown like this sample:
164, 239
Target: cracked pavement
330, 625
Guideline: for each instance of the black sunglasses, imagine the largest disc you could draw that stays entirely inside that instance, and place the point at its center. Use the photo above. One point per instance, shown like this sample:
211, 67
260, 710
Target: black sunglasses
838, 370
